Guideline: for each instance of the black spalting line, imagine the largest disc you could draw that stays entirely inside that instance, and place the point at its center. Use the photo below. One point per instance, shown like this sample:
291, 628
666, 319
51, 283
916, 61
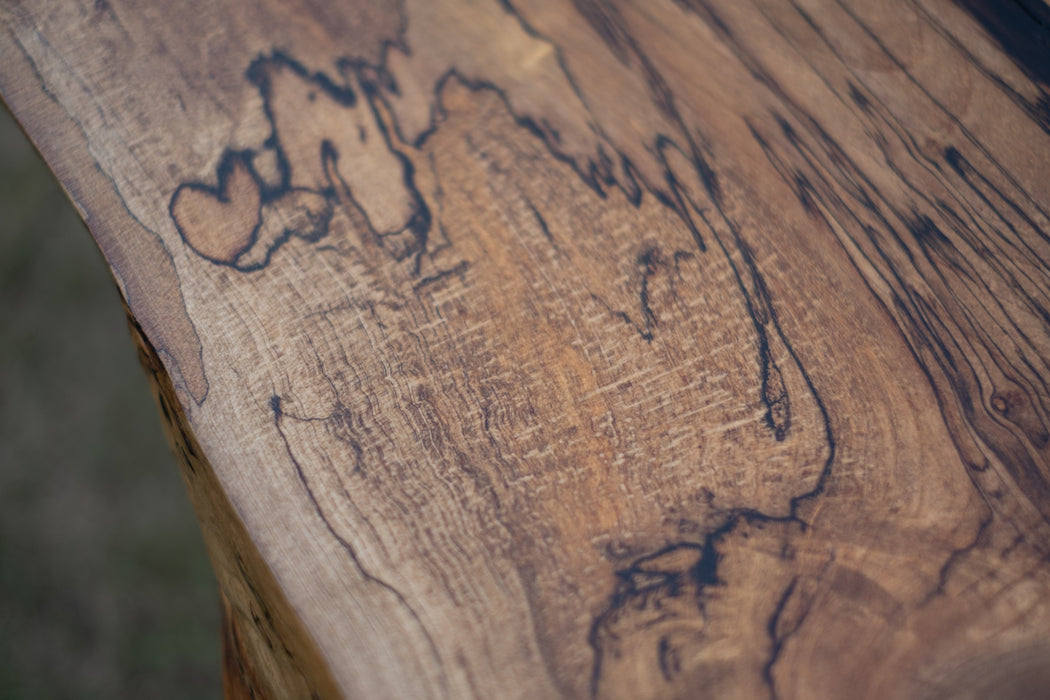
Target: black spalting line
220, 191
643, 332
257, 75
648, 263
777, 636
342, 94
419, 225
776, 639
278, 414
456, 270
702, 574
958, 554
544, 229
599, 172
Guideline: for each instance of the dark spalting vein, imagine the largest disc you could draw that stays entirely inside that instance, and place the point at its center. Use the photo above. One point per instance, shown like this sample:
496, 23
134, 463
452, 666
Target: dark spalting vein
648, 263
541, 222
646, 578
957, 555
409, 241
776, 638
278, 415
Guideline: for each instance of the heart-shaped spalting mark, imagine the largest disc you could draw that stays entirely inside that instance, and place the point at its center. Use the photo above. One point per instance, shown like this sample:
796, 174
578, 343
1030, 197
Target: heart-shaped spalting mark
329, 147
220, 223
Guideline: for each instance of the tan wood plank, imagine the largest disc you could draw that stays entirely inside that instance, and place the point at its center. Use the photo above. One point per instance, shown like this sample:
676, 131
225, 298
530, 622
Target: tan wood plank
583, 349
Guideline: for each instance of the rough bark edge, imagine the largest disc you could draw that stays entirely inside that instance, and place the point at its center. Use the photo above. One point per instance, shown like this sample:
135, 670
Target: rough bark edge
267, 652
238, 679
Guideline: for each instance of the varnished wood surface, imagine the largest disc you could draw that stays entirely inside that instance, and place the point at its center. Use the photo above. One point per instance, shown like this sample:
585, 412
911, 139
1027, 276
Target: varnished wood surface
584, 349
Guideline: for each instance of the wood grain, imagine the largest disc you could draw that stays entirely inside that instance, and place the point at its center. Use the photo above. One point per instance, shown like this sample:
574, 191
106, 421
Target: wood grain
586, 349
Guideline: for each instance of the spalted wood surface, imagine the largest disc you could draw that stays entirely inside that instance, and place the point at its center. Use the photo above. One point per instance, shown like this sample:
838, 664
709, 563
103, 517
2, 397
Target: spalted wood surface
585, 349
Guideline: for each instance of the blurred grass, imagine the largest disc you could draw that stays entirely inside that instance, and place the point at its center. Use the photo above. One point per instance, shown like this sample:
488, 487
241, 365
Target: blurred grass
105, 589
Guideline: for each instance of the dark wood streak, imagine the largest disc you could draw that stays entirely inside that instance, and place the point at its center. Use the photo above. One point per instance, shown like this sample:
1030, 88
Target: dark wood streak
278, 416
259, 630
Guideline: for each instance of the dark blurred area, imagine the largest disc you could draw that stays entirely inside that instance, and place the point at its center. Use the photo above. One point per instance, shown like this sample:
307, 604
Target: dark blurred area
105, 588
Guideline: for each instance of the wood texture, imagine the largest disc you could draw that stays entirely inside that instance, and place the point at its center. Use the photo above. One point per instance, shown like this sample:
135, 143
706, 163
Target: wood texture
586, 349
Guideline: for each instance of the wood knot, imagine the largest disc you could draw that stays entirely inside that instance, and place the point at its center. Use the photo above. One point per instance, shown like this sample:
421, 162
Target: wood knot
1004, 403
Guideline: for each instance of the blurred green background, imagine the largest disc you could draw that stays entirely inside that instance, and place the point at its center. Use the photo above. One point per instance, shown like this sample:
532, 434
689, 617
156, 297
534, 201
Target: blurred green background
105, 589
